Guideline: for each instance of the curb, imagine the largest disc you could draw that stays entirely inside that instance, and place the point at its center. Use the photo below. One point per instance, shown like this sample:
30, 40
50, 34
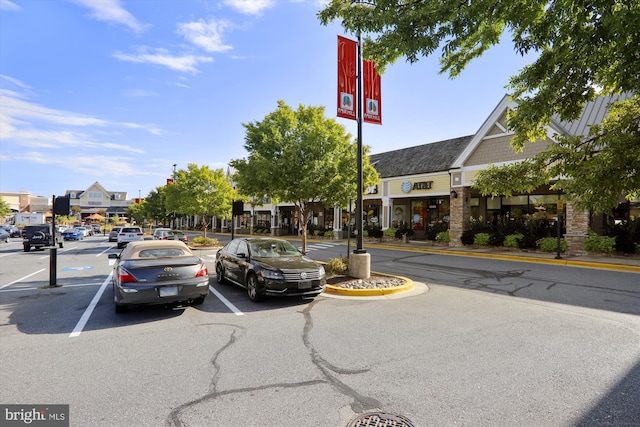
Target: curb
408, 286
569, 263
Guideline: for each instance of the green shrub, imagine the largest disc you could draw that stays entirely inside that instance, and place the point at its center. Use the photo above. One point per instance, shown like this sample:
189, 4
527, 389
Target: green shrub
550, 244
481, 239
443, 237
390, 232
337, 265
365, 233
600, 244
512, 240
316, 232
202, 241
328, 233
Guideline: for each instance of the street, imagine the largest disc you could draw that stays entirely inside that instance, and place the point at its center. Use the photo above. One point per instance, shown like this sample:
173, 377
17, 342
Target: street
488, 343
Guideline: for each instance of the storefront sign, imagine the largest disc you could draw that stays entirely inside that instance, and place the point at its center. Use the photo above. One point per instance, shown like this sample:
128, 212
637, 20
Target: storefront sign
372, 190
406, 186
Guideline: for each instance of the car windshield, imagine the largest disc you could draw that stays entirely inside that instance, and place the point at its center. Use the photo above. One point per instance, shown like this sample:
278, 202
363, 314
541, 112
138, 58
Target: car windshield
272, 249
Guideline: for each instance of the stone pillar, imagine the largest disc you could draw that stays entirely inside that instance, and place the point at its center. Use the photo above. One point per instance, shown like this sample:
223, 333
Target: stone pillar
360, 265
337, 223
275, 223
459, 214
577, 224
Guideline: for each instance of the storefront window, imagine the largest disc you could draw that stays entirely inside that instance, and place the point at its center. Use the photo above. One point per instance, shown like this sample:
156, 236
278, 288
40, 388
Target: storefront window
372, 217
418, 214
399, 216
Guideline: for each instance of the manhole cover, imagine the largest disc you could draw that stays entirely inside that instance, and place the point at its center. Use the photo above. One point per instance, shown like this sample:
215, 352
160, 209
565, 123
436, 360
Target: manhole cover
379, 419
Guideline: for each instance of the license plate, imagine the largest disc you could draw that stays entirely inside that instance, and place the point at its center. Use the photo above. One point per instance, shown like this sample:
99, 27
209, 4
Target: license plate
304, 285
169, 291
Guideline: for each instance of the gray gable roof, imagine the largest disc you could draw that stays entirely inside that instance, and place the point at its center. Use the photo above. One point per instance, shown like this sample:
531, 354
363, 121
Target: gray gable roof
426, 158
592, 113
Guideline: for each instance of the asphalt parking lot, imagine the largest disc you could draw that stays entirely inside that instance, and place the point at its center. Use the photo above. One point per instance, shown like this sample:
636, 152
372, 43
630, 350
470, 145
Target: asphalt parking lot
449, 356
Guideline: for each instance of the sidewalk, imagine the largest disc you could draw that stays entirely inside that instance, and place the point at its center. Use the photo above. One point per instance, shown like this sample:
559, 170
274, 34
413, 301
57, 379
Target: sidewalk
629, 263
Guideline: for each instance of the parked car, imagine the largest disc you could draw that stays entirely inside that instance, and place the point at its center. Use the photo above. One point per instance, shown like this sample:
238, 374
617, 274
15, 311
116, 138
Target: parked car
179, 235
11, 229
269, 267
158, 272
168, 234
129, 234
4, 235
159, 232
96, 228
39, 236
72, 234
84, 230
113, 234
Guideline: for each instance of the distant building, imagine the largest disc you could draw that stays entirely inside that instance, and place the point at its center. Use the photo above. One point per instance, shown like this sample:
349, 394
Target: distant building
96, 199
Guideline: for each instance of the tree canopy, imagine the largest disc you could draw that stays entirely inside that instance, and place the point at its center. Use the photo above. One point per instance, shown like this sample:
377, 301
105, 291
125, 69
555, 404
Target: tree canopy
583, 50
201, 191
300, 156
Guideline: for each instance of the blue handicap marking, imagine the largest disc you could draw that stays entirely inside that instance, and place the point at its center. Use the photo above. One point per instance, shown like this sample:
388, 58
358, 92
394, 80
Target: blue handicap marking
90, 267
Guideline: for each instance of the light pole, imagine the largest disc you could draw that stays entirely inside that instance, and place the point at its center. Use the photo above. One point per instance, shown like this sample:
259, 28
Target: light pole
360, 262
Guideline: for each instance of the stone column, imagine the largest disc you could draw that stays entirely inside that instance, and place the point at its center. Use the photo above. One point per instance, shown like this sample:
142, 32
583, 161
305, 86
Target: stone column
337, 223
577, 224
459, 214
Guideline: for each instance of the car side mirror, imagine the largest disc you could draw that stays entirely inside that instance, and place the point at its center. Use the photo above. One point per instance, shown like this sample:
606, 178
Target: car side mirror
113, 256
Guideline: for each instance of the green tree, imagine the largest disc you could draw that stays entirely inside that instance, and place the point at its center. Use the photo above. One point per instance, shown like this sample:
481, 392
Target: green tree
300, 157
156, 205
137, 212
200, 191
582, 50
5, 209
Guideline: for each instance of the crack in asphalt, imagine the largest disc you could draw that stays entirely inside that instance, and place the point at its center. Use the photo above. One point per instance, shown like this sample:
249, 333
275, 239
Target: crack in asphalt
471, 278
360, 403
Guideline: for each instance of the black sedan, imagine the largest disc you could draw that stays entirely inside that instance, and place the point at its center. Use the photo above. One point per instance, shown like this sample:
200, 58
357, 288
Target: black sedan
269, 267
162, 272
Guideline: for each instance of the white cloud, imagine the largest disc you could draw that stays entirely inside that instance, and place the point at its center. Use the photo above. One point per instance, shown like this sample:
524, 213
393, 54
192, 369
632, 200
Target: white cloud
9, 6
111, 11
31, 125
138, 93
183, 63
205, 34
250, 7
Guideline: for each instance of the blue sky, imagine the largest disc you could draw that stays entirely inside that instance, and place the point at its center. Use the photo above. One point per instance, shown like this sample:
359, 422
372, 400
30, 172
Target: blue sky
119, 91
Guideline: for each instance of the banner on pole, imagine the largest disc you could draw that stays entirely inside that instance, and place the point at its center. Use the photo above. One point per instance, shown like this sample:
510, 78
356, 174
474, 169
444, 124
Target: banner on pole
372, 94
347, 70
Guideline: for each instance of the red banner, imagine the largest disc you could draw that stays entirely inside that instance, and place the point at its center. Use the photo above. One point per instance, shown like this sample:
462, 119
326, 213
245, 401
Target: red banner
347, 69
372, 94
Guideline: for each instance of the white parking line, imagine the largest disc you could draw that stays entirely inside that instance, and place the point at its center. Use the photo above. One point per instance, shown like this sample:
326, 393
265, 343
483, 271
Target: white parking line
226, 302
106, 250
87, 313
22, 278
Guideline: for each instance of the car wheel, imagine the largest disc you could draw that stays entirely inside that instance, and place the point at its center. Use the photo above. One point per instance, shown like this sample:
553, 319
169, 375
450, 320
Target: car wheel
199, 300
253, 289
220, 274
61, 244
27, 248
119, 245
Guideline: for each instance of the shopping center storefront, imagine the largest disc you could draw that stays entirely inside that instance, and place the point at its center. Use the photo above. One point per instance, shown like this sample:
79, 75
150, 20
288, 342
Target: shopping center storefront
431, 185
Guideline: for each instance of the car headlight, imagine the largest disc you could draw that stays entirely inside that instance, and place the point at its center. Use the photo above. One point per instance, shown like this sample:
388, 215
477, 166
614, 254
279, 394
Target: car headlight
271, 274
321, 272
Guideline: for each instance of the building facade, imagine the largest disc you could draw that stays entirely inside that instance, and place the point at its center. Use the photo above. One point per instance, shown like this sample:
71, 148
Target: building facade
431, 185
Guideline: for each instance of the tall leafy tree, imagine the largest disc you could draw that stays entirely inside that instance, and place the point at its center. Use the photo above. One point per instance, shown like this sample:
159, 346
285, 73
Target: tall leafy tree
5, 209
582, 50
201, 191
156, 205
301, 157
